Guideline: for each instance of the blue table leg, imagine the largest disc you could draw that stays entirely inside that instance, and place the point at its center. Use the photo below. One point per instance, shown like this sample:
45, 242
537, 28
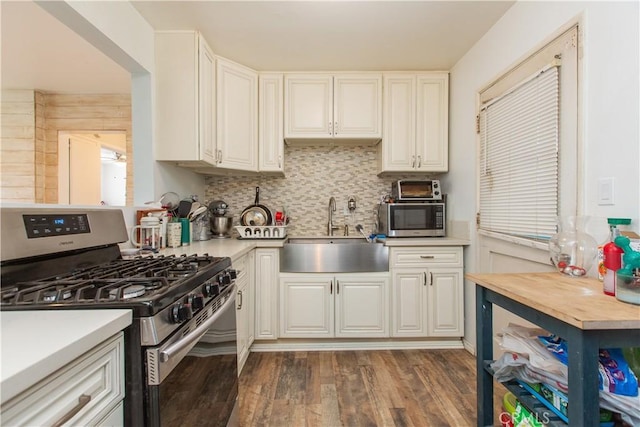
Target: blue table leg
584, 407
484, 351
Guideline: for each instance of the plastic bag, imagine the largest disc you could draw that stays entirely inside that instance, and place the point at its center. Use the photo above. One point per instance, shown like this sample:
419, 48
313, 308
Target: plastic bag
614, 373
524, 341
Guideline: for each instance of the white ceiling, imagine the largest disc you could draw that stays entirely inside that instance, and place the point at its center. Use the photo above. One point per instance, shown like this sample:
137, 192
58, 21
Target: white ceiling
39, 52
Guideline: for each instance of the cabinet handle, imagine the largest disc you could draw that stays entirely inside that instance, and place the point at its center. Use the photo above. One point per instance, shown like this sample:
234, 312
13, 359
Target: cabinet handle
219, 156
335, 128
239, 300
430, 279
427, 256
424, 282
419, 161
279, 162
331, 288
337, 286
330, 128
413, 161
83, 400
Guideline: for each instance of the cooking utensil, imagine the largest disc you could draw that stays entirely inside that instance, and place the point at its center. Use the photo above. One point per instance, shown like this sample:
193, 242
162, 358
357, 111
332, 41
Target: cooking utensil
184, 207
194, 206
194, 215
256, 214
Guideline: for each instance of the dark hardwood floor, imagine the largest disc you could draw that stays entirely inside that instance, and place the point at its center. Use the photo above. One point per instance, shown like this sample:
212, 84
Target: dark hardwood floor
360, 388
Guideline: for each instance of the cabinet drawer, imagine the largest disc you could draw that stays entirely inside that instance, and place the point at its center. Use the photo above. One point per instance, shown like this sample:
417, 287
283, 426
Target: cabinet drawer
432, 256
89, 388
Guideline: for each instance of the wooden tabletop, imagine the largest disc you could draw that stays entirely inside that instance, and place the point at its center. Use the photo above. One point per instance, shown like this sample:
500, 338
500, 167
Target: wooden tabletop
577, 301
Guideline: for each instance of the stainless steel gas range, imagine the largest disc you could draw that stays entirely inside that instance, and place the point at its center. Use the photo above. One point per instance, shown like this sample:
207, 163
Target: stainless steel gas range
180, 351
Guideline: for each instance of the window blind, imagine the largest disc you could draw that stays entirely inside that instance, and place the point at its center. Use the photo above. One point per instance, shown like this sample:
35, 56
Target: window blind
519, 156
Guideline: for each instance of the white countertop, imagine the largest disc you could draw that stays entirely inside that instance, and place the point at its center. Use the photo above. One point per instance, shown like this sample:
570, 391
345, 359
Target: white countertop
235, 248
39, 342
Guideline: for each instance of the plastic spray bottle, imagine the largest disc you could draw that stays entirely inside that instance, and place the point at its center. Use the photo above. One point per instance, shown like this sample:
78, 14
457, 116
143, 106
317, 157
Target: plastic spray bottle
612, 256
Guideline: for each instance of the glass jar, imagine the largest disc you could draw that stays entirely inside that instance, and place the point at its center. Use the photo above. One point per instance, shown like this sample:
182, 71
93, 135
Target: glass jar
573, 250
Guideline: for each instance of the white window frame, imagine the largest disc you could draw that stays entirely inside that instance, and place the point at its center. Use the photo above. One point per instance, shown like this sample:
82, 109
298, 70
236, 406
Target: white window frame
566, 47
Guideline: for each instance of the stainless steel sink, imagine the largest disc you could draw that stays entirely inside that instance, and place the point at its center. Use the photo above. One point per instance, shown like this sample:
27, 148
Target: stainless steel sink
333, 255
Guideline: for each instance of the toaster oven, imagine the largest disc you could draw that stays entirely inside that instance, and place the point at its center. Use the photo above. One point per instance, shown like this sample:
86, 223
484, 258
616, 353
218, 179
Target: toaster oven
424, 190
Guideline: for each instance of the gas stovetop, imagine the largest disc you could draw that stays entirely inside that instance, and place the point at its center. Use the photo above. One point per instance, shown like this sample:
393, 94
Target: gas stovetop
147, 285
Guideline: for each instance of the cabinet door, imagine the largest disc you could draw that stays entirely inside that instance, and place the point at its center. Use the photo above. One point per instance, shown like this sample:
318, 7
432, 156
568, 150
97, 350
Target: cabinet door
243, 306
207, 102
445, 303
242, 323
176, 80
94, 382
362, 306
266, 293
308, 106
399, 124
432, 137
237, 116
357, 106
307, 308
409, 303
250, 297
271, 119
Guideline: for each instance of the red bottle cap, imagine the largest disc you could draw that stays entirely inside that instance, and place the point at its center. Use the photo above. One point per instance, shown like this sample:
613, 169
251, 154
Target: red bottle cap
612, 256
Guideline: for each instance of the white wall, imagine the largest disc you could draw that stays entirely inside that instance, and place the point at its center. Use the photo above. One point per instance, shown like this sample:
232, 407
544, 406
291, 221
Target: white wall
610, 106
120, 32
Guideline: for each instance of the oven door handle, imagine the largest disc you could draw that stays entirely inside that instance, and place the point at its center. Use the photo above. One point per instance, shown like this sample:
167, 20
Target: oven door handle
198, 332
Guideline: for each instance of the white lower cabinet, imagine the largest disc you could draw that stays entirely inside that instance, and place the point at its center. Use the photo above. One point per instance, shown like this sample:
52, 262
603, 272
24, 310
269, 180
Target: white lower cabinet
267, 267
427, 294
88, 391
244, 307
334, 305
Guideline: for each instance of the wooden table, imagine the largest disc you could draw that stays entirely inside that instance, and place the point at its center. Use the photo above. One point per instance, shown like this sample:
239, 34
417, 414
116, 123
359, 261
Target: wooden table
575, 309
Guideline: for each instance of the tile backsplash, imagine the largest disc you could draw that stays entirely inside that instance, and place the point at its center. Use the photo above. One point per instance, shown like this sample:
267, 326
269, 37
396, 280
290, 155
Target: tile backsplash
313, 175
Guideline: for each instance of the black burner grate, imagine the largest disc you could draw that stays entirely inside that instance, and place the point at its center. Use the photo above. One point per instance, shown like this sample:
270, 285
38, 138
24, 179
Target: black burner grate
152, 282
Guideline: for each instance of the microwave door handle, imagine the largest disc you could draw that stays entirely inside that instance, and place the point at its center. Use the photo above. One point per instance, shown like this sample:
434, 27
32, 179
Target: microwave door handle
198, 332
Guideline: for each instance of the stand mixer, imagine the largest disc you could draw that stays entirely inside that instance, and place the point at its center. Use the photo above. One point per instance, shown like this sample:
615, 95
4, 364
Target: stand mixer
220, 223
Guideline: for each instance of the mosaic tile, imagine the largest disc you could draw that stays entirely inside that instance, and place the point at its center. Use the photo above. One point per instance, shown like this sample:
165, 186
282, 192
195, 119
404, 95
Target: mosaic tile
312, 176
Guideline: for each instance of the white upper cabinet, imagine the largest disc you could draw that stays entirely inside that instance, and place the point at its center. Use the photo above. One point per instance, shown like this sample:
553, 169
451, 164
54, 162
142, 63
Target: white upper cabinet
415, 123
329, 107
271, 122
237, 116
185, 98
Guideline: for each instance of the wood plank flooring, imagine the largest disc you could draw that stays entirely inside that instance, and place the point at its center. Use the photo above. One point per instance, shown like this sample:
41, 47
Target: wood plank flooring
360, 388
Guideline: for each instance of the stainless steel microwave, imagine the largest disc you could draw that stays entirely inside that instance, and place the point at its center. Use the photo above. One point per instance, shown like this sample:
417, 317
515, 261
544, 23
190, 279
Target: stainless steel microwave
412, 219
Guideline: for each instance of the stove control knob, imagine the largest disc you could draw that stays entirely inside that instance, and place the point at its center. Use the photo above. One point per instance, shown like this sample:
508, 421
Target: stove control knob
224, 278
233, 274
181, 312
211, 289
196, 301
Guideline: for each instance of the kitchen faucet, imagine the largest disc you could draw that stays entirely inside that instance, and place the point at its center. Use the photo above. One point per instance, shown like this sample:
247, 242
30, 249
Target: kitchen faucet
332, 209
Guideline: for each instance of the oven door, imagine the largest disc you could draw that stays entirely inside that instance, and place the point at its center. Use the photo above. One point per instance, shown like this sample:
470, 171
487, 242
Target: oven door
192, 379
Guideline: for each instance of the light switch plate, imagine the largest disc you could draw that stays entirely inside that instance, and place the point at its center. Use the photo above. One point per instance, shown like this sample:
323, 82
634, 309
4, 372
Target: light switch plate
606, 191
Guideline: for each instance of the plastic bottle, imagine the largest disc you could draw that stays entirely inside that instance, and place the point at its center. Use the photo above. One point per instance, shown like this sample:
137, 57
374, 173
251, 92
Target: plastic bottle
612, 257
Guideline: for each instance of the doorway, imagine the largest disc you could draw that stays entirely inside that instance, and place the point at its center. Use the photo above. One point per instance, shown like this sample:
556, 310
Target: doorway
92, 168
